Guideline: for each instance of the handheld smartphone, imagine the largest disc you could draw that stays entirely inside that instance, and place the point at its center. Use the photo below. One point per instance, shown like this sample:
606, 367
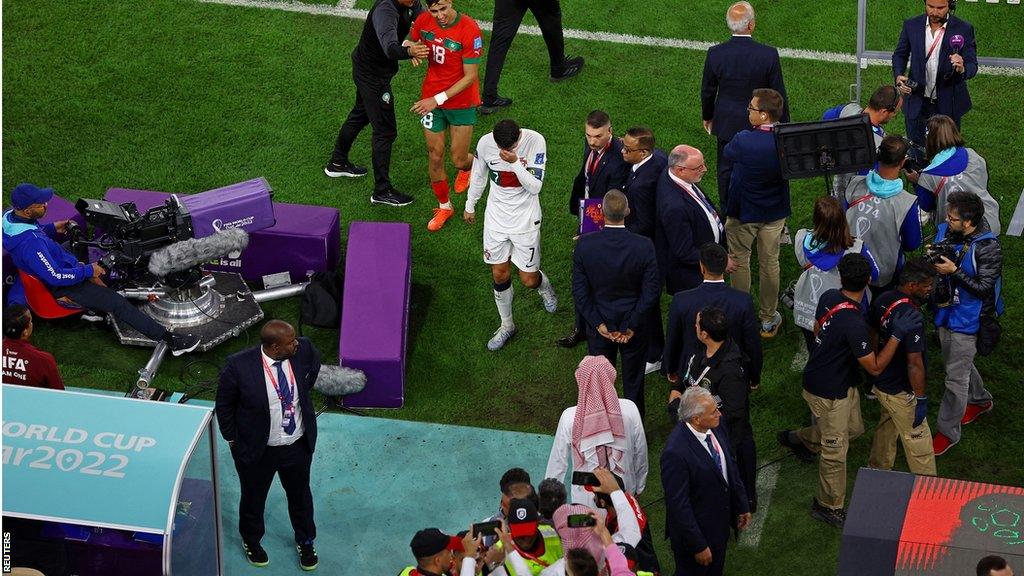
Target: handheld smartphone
910, 84
581, 520
585, 479
486, 528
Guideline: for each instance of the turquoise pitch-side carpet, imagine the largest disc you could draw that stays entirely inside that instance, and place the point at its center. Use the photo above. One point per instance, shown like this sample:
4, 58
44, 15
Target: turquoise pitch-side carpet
375, 482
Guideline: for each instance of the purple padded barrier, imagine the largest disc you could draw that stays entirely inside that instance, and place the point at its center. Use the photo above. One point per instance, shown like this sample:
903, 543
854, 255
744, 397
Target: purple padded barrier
375, 311
244, 205
305, 238
57, 209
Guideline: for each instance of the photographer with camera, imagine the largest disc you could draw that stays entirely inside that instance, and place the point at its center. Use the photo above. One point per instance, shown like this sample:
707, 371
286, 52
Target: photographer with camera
33, 250
884, 105
952, 166
968, 302
883, 214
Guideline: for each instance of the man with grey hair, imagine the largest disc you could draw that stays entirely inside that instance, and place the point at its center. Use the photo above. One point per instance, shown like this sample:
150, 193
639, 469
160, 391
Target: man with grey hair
695, 464
686, 220
614, 285
732, 71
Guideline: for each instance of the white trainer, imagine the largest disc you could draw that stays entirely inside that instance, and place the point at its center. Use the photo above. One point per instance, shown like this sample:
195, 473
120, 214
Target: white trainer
501, 336
549, 298
652, 367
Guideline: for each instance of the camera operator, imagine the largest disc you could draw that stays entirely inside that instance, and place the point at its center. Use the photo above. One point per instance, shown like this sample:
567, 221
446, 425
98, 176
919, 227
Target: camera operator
943, 56
33, 250
968, 301
884, 105
951, 167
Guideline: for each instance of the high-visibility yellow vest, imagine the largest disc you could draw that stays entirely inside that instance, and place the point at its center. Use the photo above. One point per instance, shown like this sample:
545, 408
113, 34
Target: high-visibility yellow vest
552, 552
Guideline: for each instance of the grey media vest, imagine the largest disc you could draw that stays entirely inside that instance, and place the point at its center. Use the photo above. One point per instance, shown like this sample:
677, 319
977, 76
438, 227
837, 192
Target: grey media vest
877, 221
974, 178
814, 282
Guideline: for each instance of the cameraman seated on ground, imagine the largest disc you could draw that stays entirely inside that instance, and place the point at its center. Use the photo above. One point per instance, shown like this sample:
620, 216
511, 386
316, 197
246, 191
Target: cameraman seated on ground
884, 105
24, 363
33, 250
952, 167
968, 302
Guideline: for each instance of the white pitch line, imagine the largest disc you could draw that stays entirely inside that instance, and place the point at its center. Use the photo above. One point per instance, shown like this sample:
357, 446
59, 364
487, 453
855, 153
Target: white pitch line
766, 479
344, 9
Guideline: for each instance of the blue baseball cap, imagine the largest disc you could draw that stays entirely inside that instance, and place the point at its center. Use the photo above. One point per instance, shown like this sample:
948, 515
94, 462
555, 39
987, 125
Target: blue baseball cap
25, 195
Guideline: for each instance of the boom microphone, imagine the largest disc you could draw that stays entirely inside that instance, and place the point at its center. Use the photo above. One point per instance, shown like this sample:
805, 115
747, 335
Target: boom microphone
334, 381
186, 254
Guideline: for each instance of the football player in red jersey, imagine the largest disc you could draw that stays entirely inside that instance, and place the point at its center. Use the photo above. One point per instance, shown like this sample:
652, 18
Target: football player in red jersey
450, 95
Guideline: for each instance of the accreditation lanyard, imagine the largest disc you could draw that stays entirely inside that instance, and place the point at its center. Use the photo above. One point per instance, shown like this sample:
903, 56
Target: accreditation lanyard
287, 408
935, 42
592, 167
702, 200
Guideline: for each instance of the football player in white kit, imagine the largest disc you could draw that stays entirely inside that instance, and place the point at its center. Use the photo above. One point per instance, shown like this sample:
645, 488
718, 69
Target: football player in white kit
513, 160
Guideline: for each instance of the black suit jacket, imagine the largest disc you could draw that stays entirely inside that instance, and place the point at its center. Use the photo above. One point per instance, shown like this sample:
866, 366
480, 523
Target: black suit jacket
243, 408
682, 228
610, 174
642, 192
614, 278
732, 71
744, 328
700, 506
950, 88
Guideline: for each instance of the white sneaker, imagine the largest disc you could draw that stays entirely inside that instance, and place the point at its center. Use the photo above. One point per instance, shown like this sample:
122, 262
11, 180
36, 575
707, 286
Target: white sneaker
501, 336
785, 238
549, 298
652, 367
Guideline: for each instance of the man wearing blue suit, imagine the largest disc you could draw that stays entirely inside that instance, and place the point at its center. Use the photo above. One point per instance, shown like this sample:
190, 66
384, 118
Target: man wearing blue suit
614, 285
603, 169
266, 415
732, 71
686, 220
744, 329
704, 496
646, 165
943, 56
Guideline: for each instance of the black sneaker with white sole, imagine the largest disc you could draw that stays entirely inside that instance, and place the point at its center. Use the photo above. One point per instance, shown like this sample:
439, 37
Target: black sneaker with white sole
391, 197
830, 516
255, 554
346, 169
308, 560
184, 343
492, 106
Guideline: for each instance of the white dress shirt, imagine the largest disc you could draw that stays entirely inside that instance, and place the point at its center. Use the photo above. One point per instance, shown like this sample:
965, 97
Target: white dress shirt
634, 454
277, 435
703, 444
931, 66
712, 217
642, 162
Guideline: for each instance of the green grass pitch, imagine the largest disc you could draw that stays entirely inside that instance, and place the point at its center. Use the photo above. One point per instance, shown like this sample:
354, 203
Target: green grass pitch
183, 97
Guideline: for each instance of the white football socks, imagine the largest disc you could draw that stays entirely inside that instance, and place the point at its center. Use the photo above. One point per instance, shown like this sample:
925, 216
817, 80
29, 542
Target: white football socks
503, 300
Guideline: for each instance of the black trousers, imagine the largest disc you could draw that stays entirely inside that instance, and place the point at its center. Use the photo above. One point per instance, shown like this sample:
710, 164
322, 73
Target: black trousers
96, 297
375, 105
916, 126
633, 360
724, 172
686, 564
746, 465
291, 463
508, 15
655, 333
646, 558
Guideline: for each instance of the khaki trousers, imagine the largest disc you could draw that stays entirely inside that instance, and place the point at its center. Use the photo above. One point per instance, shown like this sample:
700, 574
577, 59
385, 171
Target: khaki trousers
897, 421
834, 424
741, 239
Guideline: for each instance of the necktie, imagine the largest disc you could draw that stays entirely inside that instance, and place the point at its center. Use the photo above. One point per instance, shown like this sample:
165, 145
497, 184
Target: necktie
284, 391
714, 452
593, 162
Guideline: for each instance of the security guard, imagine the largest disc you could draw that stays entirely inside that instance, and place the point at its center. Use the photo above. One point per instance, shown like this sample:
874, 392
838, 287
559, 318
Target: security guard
374, 64
434, 553
538, 544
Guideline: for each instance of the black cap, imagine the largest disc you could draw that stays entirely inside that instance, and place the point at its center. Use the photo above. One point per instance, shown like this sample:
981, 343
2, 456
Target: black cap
522, 517
428, 542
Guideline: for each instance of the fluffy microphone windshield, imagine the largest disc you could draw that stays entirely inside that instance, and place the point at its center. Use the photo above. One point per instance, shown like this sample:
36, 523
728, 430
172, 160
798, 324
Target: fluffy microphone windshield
188, 253
339, 380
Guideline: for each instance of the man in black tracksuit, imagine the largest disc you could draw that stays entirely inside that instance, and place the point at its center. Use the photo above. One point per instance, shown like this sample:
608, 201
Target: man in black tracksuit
374, 64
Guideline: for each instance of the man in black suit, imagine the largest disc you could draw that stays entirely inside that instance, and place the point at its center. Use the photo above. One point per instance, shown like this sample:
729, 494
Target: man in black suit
647, 164
603, 169
686, 220
732, 71
266, 415
704, 495
744, 329
614, 285
943, 56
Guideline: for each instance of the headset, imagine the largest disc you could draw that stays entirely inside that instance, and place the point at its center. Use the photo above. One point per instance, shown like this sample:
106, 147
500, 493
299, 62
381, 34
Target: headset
952, 8
896, 96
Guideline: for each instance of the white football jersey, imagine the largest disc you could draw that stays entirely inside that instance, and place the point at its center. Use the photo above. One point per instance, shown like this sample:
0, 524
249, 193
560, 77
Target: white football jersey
513, 206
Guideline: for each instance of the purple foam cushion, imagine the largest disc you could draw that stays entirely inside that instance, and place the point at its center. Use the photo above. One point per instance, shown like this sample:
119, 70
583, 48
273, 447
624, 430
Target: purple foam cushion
375, 310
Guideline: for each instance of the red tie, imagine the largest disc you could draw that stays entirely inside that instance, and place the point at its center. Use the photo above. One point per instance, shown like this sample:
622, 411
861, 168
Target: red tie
594, 157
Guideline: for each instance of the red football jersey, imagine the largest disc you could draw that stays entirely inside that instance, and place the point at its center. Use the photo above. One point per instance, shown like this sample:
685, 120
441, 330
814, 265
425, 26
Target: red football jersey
450, 48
